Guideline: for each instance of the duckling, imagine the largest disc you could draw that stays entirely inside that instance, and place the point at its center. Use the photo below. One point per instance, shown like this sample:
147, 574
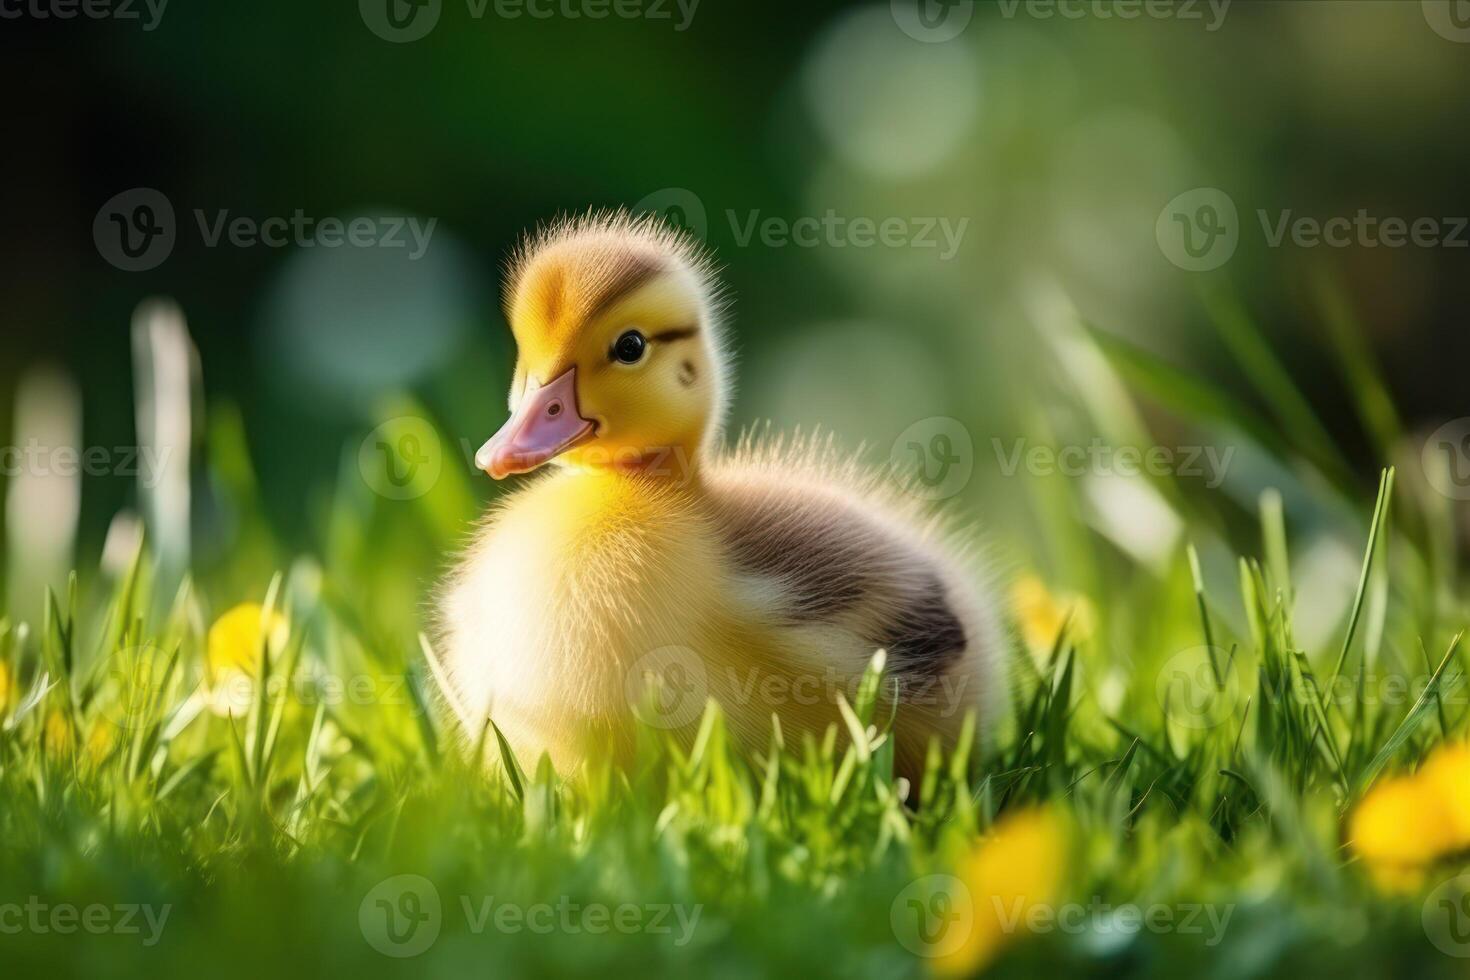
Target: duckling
765, 577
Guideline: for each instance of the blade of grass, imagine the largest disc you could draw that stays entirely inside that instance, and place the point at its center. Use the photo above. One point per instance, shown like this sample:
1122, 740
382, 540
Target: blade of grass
1411, 720
1380, 510
1364, 380
1273, 534
1204, 614
1260, 366
513, 770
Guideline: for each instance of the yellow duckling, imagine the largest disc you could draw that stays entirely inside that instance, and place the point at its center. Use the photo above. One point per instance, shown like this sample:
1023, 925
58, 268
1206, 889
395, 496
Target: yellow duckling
765, 578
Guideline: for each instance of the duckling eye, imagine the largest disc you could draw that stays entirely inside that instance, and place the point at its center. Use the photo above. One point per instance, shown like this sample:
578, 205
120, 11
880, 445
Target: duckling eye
629, 348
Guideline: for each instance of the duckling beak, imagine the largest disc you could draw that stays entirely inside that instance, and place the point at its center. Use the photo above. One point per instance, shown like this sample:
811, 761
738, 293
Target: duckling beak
545, 424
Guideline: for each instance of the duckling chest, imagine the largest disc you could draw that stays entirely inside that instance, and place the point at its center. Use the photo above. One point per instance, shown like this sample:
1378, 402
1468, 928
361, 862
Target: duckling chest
586, 573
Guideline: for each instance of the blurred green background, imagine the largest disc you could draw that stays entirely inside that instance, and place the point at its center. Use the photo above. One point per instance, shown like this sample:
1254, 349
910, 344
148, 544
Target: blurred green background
1047, 167
1053, 141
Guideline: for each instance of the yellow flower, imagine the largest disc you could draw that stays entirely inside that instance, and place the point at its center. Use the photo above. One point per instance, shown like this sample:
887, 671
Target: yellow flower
1014, 872
1042, 614
1406, 823
100, 740
7, 685
56, 734
236, 638
1447, 772
1399, 828
233, 658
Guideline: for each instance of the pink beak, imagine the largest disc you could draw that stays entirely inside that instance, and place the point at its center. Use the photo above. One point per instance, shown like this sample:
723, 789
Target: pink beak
545, 424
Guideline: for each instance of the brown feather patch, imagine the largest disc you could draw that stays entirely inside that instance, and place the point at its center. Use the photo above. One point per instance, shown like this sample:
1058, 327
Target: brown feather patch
793, 541
925, 636
631, 273
579, 268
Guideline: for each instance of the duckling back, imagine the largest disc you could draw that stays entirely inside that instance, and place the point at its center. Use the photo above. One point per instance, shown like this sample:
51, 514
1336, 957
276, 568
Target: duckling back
833, 563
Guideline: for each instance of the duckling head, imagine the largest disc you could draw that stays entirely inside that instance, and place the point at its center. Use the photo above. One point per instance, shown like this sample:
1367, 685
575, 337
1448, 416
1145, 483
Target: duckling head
619, 363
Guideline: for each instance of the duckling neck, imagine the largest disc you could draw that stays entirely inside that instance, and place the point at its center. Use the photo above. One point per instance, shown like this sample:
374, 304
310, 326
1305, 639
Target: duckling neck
675, 463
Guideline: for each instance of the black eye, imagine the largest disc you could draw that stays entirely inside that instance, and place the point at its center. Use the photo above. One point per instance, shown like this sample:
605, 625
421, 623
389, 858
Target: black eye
629, 347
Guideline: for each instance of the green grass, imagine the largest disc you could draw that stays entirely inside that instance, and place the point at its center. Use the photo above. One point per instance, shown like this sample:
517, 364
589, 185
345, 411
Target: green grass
266, 833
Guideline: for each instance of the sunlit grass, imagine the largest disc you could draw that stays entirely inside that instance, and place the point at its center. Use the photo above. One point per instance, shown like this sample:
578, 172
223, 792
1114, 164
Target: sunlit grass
1168, 741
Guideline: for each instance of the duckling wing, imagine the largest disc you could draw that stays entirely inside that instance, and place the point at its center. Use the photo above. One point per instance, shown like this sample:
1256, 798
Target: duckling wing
839, 565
